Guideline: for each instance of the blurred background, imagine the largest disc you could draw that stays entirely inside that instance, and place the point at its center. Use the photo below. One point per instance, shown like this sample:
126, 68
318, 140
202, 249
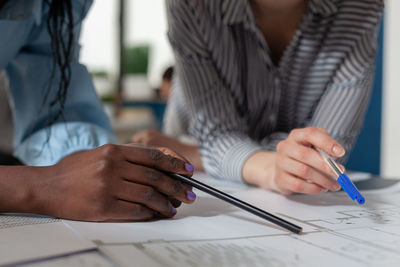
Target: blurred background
125, 47
137, 30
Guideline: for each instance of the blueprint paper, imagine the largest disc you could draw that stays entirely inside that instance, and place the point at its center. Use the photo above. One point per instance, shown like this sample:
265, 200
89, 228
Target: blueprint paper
336, 232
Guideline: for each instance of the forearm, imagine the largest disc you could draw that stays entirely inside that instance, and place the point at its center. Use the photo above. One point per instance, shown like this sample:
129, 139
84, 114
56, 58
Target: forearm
19, 189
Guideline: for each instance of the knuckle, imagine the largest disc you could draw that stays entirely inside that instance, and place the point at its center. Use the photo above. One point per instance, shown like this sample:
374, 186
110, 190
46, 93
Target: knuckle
324, 130
109, 150
302, 154
153, 176
166, 150
293, 132
103, 166
175, 188
155, 155
311, 130
281, 146
304, 171
149, 194
174, 164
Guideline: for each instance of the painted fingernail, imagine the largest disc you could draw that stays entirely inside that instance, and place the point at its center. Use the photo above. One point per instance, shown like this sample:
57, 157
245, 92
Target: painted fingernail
338, 151
174, 211
189, 167
190, 195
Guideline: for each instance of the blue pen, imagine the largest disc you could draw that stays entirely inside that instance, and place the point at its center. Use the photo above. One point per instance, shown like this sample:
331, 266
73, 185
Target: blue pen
343, 179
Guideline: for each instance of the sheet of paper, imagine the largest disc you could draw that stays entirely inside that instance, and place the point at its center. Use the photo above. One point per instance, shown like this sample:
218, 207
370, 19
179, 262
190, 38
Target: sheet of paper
128, 255
30, 237
208, 218
81, 259
308, 207
318, 249
337, 232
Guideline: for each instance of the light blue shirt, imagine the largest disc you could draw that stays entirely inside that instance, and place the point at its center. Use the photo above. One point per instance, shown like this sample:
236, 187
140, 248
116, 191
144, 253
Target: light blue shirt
25, 54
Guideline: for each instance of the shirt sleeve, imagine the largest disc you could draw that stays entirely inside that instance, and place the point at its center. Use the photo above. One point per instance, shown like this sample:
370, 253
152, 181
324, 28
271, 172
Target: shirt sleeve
83, 126
214, 121
342, 107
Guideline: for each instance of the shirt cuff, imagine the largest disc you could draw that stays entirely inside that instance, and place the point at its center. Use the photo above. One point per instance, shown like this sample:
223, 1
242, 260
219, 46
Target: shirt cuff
235, 158
50, 145
271, 142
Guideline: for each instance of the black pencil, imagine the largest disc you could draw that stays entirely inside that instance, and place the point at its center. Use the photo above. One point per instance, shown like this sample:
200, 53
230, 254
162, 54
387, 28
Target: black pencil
237, 202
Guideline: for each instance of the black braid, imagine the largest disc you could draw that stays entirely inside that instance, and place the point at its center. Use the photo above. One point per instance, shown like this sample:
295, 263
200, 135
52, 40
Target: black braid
60, 20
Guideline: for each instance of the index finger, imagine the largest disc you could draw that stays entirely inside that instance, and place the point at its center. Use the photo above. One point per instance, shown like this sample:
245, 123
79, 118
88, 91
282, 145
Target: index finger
171, 153
318, 138
154, 158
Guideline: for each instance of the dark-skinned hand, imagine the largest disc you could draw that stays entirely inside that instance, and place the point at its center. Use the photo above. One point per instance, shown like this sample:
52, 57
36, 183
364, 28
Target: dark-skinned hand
115, 183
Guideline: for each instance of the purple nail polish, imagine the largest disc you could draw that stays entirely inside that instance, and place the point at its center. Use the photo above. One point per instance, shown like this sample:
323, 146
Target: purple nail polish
189, 167
190, 195
174, 211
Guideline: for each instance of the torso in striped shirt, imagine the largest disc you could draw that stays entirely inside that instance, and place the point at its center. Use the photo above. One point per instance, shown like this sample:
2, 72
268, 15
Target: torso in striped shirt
323, 78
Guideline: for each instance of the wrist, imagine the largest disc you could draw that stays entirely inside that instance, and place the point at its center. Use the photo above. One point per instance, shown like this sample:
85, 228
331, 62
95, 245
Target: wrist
20, 189
259, 169
43, 194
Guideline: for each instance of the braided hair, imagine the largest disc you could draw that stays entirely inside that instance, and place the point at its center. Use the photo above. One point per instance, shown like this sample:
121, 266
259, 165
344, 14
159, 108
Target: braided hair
60, 25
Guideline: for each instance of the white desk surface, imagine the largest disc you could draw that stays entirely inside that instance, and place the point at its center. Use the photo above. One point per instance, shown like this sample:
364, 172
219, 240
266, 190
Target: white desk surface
336, 232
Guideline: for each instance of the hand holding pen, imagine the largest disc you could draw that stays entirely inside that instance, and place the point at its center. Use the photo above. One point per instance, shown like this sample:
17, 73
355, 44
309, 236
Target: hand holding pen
299, 167
303, 165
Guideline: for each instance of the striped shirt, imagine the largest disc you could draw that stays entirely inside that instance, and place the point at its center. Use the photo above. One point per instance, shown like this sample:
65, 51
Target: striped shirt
238, 102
